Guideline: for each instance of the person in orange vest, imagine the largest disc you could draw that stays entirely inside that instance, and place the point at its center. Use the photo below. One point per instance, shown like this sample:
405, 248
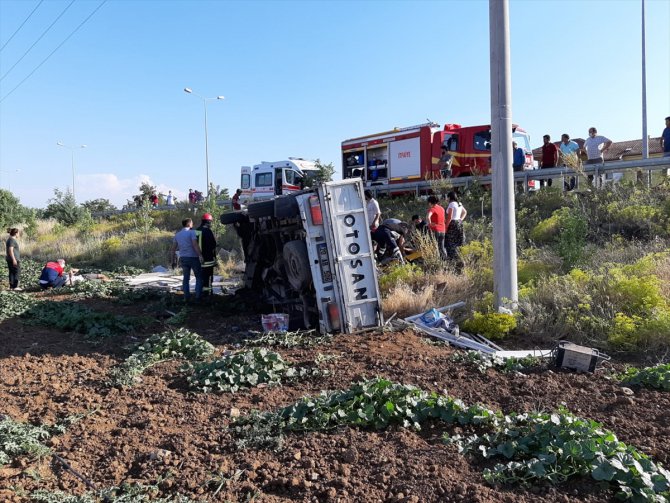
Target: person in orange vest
52, 275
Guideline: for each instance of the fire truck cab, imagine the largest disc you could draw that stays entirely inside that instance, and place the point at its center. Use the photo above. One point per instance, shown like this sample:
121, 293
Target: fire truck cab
470, 149
414, 153
270, 179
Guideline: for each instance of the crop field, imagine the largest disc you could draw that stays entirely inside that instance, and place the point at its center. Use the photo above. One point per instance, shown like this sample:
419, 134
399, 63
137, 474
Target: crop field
110, 395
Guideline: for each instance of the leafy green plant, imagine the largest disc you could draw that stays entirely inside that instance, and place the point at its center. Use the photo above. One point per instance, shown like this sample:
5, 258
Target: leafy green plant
376, 403
23, 439
169, 345
95, 289
490, 325
651, 377
555, 447
288, 339
13, 304
482, 362
126, 493
241, 370
71, 316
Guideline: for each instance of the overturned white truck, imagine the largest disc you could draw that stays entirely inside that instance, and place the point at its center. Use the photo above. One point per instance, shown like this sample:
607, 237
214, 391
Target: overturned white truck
310, 254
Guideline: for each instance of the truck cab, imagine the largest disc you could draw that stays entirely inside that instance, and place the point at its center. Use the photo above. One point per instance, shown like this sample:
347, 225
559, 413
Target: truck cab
470, 149
309, 254
271, 179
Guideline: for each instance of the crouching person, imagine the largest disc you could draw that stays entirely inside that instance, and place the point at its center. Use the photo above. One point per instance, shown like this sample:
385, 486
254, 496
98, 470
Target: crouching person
52, 275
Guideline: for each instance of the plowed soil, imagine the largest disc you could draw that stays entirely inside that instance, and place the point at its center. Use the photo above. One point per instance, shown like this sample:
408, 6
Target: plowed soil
160, 432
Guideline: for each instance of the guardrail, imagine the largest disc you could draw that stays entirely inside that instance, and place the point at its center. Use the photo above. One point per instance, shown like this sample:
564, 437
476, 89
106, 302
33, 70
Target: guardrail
423, 186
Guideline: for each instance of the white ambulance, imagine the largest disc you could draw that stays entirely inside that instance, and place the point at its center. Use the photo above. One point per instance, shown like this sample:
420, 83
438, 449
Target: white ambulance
270, 179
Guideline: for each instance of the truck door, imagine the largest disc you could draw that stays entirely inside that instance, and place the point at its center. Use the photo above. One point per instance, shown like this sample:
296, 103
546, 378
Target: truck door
481, 157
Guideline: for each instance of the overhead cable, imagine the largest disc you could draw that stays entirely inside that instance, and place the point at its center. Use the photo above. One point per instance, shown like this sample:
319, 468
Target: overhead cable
19, 28
52, 52
38, 39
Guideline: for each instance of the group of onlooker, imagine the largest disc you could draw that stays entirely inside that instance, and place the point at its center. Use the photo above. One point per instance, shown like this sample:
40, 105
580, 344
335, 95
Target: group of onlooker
444, 224
195, 250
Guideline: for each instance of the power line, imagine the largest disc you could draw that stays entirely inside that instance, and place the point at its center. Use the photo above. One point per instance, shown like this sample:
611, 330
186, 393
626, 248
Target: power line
38, 39
52, 52
19, 28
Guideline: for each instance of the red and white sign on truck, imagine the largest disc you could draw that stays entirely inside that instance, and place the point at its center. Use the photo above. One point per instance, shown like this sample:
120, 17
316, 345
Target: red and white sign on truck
415, 153
270, 179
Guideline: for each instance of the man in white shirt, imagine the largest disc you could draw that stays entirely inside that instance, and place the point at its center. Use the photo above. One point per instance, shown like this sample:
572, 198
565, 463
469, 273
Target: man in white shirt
372, 209
595, 146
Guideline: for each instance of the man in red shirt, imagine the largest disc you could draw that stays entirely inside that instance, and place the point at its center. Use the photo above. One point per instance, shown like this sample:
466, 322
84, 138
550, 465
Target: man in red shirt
549, 157
437, 223
236, 200
52, 275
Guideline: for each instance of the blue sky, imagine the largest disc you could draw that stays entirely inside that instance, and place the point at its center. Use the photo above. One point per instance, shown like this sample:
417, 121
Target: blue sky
298, 78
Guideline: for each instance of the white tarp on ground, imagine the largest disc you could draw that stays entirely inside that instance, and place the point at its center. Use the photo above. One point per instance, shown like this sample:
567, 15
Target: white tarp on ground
173, 282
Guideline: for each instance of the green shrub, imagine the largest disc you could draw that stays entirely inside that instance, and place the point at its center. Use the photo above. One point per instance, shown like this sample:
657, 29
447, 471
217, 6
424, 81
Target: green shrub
651, 377
528, 271
399, 273
490, 325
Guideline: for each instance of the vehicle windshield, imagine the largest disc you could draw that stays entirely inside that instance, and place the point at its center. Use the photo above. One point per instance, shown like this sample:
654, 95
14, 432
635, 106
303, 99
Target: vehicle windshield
522, 140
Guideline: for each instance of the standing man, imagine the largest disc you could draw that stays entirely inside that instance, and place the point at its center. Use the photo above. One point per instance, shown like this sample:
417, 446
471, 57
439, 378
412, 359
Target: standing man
236, 200
665, 138
372, 209
569, 148
436, 221
595, 146
549, 157
207, 244
170, 199
518, 162
190, 257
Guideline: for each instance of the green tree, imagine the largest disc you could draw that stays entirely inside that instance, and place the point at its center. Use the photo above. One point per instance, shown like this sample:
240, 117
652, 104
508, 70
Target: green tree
99, 205
325, 173
12, 213
63, 207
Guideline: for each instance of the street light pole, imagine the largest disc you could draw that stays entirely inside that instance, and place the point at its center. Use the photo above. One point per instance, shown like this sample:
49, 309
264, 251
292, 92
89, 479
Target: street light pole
188, 90
72, 149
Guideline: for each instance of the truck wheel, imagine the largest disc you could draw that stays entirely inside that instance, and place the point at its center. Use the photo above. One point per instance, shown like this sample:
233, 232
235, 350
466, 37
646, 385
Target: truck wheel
261, 209
233, 218
297, 264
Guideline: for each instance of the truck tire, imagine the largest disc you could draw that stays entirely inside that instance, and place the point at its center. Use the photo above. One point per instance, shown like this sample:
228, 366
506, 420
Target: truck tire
232, 218
297, 264
261, 209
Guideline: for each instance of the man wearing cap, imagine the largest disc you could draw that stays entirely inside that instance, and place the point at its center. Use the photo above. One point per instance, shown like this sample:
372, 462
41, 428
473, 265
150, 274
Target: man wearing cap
207, 244
190, 257
52, 275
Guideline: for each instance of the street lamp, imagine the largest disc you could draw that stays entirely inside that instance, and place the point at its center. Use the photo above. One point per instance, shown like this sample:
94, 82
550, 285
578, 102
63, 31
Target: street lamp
72, 149
188, 90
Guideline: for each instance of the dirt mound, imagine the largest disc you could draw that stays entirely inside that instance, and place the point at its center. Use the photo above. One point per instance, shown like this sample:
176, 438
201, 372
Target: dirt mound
162, 433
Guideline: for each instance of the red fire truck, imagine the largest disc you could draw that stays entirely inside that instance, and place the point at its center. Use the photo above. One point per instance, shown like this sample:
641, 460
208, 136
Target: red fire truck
413, 153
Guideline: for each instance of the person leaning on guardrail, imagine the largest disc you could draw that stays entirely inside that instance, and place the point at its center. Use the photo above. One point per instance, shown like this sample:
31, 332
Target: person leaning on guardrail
595, 147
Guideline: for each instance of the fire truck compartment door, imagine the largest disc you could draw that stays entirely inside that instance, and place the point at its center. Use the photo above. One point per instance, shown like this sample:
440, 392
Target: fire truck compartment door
405, 158
351, 246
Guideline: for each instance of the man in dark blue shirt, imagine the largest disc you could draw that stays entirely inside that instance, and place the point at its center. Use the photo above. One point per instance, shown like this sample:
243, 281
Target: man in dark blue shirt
665, 138
519, 158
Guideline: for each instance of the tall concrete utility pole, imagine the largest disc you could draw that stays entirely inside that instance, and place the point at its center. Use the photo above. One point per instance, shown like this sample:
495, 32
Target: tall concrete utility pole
505, 288
645, 136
